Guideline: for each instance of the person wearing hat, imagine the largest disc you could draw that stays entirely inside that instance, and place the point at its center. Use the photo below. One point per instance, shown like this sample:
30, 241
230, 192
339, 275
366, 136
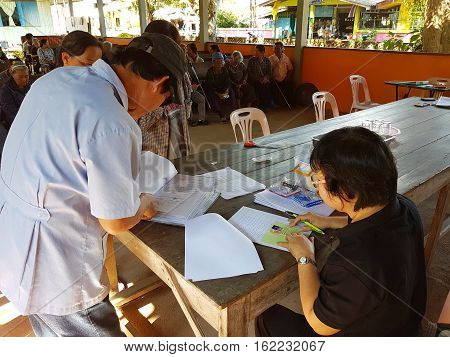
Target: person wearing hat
69, 174
218, 88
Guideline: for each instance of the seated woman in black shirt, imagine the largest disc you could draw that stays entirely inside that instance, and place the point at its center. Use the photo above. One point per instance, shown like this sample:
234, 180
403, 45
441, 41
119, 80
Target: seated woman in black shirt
218, 88
373, 281
13, 93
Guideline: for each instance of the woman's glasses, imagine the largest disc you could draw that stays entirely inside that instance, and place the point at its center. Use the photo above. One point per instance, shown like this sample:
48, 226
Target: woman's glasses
315, 181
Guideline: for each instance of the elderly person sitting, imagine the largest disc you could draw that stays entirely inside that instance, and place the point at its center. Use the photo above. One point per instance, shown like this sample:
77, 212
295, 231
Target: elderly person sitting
46, 56
13, 93
237, 71
218, 88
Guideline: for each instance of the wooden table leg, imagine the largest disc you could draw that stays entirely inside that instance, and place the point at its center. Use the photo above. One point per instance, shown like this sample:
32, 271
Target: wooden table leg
436, 225
234, 319
110, 264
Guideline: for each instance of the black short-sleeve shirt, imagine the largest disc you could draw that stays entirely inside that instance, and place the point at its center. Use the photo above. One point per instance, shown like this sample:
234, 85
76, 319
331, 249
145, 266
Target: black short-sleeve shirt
373, 283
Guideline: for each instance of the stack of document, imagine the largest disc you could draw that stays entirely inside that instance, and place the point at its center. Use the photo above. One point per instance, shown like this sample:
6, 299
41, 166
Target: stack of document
214, 249
283, 204
231, 183
443, 102
184, 198
179, 198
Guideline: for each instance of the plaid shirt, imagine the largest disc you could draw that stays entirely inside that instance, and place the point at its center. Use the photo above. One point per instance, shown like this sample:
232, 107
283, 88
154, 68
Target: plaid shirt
257, 70
165, 131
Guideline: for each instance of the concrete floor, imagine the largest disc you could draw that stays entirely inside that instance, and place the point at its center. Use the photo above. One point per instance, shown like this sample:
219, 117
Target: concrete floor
160, 306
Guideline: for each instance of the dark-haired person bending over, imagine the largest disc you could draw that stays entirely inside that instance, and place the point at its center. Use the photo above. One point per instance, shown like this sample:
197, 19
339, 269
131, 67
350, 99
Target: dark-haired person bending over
373, 282
69, 174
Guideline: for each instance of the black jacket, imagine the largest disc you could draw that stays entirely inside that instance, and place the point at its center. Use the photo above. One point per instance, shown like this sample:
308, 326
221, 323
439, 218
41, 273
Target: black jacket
11, 97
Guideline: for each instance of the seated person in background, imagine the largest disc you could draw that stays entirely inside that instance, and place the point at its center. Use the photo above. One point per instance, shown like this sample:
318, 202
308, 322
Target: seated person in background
80, 49
13, 93
282, 71
46, 55
243, 92
372, 283
218, 88
3, 56
30, 47
192, 54
106, 50
196, 96
259, 71
214, 48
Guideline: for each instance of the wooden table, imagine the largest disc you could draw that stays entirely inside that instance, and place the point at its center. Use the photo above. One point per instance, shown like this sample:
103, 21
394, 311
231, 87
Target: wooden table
433, 86
422, 153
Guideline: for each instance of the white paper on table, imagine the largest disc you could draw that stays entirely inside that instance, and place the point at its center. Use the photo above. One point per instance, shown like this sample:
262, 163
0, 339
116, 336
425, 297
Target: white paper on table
255, 224
155, 172
443, 102
215, 249
270, 199
231, 183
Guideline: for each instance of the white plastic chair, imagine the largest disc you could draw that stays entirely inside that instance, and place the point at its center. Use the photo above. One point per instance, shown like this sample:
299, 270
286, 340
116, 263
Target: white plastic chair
355, 82
320, 100
244, 118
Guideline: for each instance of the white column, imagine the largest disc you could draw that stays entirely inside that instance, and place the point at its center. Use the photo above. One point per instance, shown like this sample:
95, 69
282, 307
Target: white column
301, 33
101, 17
71, 8
203, 11
142, 15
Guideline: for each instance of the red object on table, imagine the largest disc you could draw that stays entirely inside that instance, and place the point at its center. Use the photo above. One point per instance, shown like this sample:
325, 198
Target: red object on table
250, 144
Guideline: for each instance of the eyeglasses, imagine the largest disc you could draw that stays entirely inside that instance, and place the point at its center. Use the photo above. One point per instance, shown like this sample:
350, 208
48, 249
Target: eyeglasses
315, 181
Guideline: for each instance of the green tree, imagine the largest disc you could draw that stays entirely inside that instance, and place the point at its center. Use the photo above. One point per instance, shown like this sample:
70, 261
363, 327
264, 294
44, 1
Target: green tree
226, 19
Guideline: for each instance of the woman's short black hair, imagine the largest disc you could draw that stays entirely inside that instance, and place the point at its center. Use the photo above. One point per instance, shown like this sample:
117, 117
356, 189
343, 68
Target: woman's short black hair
164, 27
356, 163
261, 48
193, 47
43, 41
75, 43
214, 47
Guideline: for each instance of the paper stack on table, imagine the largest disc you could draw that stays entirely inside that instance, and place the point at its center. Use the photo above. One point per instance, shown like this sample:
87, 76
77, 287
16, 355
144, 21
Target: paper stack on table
283, 204
443, 102
179, 197
231, 183
214, 249
255, 224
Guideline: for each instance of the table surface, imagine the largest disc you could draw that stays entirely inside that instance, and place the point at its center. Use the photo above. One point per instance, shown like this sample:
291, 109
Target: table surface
422, 152
413, 84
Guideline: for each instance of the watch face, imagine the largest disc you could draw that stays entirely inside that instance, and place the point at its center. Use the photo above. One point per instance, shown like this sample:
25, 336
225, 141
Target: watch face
303, 260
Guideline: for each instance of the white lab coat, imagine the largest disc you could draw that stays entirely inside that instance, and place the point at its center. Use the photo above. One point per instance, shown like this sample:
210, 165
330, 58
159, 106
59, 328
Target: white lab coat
72, 156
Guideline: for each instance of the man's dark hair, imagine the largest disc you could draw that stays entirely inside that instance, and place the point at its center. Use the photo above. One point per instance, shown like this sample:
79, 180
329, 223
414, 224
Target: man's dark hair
75, 43
43, 41
193, 47
164, 27
356, 163
278, 43
29, 36
141, 63
260, 48
214, 47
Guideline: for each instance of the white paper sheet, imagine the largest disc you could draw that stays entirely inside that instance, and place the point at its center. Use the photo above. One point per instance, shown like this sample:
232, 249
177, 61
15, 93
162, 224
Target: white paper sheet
155, 172
231, 183
215, 249
255, 224
443, 102
282, 204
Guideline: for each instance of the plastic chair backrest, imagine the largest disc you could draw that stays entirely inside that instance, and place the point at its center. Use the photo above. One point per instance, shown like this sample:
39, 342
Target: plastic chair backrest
244, 119
356, 81
320, 100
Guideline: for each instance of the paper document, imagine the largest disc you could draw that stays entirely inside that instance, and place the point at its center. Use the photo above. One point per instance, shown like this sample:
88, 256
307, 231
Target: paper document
155, 172
257, 225
443, 102
283, 204
231, 183
214, 249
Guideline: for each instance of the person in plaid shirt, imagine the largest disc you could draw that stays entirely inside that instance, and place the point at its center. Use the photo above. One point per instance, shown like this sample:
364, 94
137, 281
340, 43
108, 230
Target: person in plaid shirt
259, 71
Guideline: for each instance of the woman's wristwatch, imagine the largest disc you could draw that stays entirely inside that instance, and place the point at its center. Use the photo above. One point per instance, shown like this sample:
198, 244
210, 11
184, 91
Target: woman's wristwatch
305, 261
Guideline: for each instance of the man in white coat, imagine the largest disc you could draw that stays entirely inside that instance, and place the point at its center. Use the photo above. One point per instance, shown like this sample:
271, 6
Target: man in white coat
69, 172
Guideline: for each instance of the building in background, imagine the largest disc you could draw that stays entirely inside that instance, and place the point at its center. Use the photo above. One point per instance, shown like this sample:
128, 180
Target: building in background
20, 17
345, 19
